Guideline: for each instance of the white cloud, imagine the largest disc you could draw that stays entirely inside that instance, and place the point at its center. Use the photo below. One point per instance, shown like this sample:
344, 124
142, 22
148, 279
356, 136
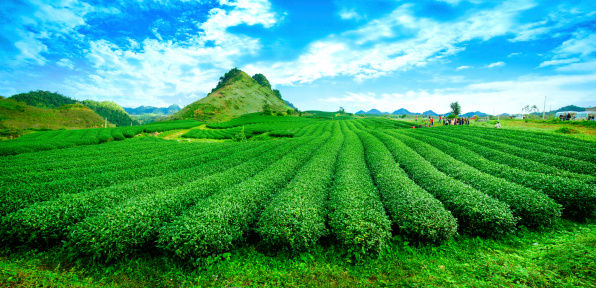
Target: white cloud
349, 14
496, 64
152, 70
50, 20
448, 79
502, 96
372, 51
463, 68
587, 66
249, 12
582, 43
456, 2
65, 63
558, 62
555, 24
513, 54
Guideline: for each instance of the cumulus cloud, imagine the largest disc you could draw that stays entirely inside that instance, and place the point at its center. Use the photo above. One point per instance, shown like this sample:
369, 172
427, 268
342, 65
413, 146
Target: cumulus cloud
249, 12
496, 64
463, 68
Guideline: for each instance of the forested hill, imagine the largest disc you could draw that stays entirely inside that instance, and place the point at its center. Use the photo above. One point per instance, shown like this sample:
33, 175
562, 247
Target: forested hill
43, 99
236, 94
15, 117
112, 111
51, 100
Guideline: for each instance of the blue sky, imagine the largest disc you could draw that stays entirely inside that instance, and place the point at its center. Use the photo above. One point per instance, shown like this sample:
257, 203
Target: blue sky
491, 56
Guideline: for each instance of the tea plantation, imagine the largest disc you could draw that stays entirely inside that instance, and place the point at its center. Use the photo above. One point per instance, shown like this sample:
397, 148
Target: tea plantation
287, 185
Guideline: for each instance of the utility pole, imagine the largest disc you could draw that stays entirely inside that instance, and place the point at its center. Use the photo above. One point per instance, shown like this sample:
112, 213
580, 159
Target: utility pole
544, 108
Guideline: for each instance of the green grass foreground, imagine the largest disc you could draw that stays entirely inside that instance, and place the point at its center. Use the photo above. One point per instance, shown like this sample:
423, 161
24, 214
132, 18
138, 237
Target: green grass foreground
561, 256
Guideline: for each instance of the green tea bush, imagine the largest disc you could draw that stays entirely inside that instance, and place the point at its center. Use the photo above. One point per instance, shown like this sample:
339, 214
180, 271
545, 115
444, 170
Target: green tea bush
418, 215
296, 217
356, 215
533, 208
477, 213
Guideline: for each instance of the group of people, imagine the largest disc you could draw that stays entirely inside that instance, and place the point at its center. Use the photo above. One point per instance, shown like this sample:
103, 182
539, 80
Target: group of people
446, 121
564, 117
456, 121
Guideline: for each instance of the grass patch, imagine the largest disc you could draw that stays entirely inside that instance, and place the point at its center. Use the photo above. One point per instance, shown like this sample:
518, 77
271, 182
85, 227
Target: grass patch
561, 256
566, 130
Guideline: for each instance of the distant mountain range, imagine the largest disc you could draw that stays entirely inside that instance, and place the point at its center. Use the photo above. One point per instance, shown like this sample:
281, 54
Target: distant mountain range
402, 111
153, 110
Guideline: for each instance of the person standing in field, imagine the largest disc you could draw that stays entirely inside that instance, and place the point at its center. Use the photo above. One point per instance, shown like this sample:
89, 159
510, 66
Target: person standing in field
498, 125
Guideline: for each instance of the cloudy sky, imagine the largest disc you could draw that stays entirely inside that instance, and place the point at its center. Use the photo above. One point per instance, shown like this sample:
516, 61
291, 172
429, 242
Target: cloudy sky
491, 56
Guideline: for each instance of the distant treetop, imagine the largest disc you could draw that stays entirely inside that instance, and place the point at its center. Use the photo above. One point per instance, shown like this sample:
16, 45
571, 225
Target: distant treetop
43, 99
223, 79
262, 80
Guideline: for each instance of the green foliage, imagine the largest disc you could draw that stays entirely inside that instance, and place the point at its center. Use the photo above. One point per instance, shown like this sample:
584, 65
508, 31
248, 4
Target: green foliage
240, 137
18, 115
572, 161
237, 94
48, 140
126, 230
112, 111
561, 257
43, 99
227, 77
455, 108
534, 209
476, 212
214, 225
566, 130
416, 213
267, 109
295, 218
262, 80
355, 182
575, 192
356, 214
278, 94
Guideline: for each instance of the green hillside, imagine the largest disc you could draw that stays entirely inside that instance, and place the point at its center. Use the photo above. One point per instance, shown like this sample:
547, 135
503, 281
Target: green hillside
43, 99
112, 111
236, 94
50, 100
15, 117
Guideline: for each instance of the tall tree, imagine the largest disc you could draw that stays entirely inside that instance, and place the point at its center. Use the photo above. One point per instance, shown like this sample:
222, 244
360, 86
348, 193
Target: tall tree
526, 109
455, 108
